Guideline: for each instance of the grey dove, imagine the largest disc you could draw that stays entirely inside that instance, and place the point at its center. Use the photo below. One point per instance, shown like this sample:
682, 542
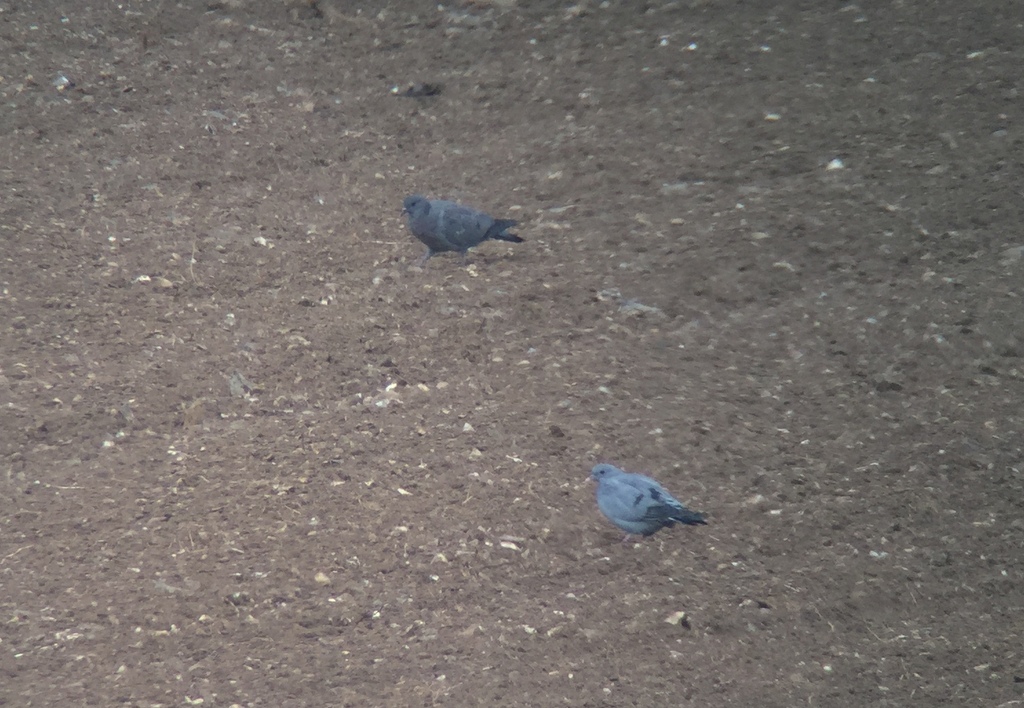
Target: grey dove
448, 226
637, 504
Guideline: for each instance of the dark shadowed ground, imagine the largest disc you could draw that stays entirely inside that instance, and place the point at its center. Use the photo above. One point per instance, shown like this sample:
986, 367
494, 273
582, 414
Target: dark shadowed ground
250, 456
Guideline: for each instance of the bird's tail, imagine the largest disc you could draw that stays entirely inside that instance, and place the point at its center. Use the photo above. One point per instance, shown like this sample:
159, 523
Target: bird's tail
690, 518
497, 231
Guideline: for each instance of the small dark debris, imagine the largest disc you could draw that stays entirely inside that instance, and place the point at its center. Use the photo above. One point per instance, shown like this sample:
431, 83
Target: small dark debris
940, 559
421, 90
238, 599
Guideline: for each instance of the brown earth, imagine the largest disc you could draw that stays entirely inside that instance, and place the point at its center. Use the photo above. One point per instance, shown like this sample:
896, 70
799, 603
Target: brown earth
250, 456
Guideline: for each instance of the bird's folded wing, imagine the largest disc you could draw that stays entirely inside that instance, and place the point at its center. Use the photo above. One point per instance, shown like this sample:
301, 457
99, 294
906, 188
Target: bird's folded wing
656, 503
465, 227
625, 501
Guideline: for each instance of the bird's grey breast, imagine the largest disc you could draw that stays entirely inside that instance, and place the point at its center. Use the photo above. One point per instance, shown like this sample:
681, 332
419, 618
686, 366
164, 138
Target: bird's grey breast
426, 225
620, 501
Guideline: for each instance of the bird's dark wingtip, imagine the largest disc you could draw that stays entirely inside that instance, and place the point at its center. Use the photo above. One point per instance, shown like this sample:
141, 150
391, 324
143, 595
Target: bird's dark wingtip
511, 238
498, 228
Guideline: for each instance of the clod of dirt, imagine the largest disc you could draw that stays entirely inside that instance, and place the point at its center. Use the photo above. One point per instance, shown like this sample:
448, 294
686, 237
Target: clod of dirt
194, 414
1012, 255
63, 83
678, 618
627, 306
239, 385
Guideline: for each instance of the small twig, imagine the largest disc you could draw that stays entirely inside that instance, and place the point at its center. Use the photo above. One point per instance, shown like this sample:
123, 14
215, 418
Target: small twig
192, 261
822, 617
11, 555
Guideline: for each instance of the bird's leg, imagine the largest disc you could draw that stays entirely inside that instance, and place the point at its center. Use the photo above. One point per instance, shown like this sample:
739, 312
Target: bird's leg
465, 257
426, 257
625, 539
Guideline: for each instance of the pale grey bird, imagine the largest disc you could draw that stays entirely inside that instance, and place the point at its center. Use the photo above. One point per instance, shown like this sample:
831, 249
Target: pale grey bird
447, 226
637, 504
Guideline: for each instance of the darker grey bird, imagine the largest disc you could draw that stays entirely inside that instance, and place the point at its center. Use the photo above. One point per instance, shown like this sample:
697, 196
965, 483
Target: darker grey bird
447, 226
637, 504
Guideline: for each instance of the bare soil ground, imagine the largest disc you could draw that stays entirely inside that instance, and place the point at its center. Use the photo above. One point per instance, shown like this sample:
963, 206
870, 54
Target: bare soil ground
251, 456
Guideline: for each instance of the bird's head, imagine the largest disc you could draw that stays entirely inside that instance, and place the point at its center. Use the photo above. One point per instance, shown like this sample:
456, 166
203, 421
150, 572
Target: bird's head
604, 471
415, 204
